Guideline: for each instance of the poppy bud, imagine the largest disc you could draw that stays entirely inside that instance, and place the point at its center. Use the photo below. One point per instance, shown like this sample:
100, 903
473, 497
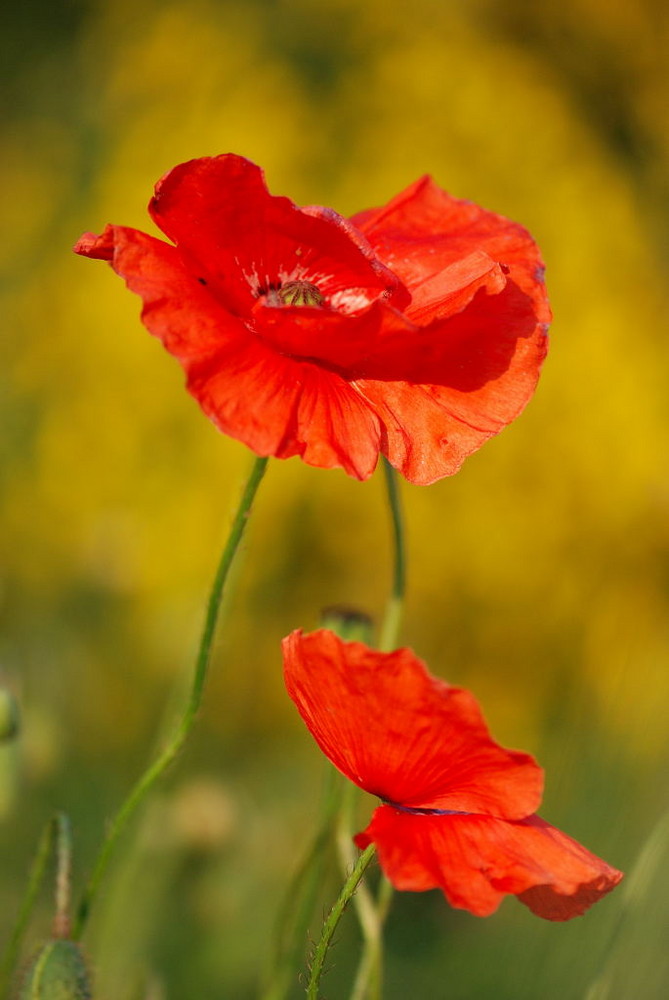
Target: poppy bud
300, 293
348, 623
58, 972
9, 716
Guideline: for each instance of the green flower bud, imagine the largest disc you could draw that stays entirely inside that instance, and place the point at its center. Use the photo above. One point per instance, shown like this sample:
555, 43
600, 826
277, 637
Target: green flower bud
58, 972
300, 293
9, 716
349, 624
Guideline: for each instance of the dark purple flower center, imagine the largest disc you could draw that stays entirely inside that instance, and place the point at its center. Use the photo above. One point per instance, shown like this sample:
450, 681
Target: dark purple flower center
417, 811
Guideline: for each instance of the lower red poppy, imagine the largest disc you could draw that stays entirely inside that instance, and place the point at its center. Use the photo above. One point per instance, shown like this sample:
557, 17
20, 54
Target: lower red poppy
477, 860
459, 809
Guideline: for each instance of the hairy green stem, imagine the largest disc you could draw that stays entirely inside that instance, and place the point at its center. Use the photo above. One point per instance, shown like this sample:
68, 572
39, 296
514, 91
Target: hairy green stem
56, 832
333, 918
148, 779
292, 923
368, 981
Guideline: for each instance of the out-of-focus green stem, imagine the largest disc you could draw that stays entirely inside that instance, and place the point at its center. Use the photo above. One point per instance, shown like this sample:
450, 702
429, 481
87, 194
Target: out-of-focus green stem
369, 978
637, 886
368, 981
333, 918
372, 915
395, 606
156, 769
63, 839
55, 832
297, 910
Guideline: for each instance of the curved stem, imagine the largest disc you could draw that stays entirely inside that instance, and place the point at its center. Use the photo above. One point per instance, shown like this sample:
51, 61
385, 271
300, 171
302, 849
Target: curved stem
395, 606
333, 918
165, 758
52, 832
292, 923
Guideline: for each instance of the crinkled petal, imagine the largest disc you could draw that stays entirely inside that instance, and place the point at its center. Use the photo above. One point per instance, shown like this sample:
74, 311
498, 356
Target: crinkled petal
402, 734
395, 290
496, 336
482, 374
329, 338
273, 404
421, 437
177, 307
97, 247
449, 290
219, 211
477, 860
494, 339
281, 407
423, 231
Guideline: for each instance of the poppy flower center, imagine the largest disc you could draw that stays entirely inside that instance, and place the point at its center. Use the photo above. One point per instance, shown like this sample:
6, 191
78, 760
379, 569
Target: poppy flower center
300, 293
291, 293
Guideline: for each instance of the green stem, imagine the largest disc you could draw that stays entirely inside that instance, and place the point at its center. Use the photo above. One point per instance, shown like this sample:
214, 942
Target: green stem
63, 838
333, 918
372, 914
395, 607
299, 903
636, 887
368, 981
51, 833
165, 758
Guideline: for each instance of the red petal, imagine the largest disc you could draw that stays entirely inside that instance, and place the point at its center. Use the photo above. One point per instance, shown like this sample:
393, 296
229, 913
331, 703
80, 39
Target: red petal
439, 391
476, 860
98, 247
177, 308
325, 336
423, 231
402, 734
220, 212
449, 291
275, 405
397, 293
467, 375
281, 407
483, 366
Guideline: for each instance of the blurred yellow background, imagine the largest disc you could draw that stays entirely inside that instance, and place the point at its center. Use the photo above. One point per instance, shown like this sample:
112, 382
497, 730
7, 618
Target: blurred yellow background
538, 576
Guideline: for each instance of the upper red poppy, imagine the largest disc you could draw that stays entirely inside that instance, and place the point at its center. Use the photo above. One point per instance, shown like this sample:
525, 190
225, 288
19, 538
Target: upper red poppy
416, 330
458, 812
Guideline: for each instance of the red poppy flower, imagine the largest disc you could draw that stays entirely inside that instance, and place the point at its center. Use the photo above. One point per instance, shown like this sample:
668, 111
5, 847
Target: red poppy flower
416, 330
458, 812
